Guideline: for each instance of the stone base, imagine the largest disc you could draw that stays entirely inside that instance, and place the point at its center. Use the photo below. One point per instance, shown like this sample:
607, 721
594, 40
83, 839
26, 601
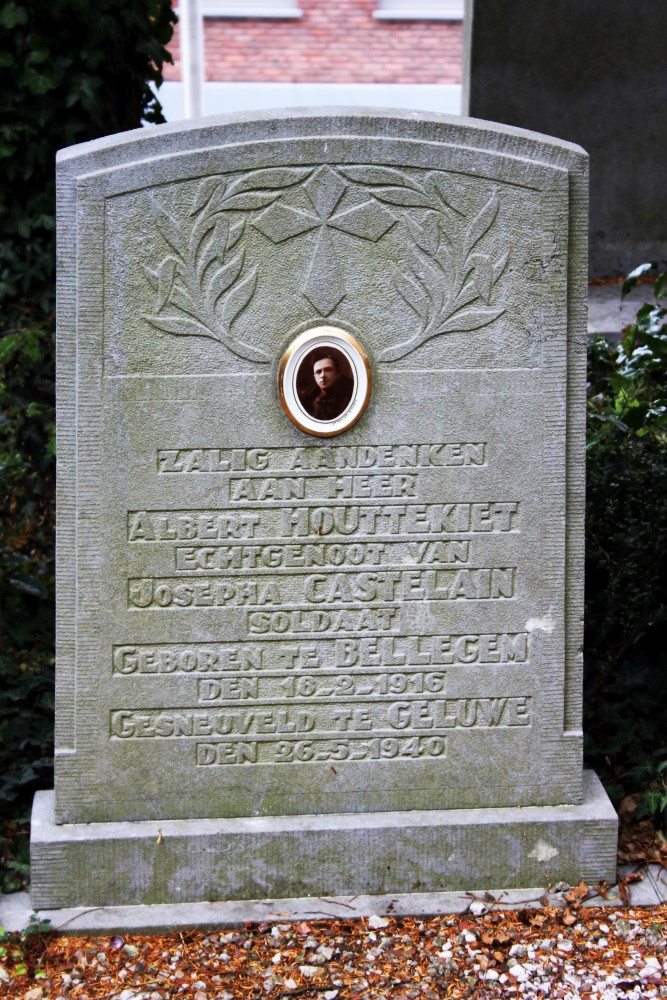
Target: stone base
178, 861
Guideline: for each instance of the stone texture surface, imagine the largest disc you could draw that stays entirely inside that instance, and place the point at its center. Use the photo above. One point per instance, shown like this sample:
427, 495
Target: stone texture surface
256, 624
595, 92
608, 314
182, 861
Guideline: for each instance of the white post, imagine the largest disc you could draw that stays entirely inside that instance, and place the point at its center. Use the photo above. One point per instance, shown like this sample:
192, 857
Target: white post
192, 57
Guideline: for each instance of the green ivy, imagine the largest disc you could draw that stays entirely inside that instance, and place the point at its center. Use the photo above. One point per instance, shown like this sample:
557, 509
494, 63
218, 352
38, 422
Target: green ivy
70, 71
626, 546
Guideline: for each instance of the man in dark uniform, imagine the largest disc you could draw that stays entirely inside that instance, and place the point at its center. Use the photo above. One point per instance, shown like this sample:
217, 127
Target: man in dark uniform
334, 390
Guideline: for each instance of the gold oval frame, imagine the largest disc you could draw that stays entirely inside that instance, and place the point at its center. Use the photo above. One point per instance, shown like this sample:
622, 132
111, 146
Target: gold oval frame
349, 346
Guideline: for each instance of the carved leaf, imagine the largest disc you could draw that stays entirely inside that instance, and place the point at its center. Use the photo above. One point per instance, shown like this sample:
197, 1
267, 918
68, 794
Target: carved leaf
434, 281
227, 275
152, 277
469, 319
165, 281
239, 297
442, 229
235, 234
205, 192
215, 246
468, 294
482, 275
178, 325
500, 266
402, 196
426, 237
248, 202
448, 192
397, 351
481, 224
203, 246
409, 288
221, 238
374, 175
169, 229
272, 177
181, 299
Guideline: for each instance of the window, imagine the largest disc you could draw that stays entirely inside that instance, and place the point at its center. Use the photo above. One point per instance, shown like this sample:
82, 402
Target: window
419, 10
250, 8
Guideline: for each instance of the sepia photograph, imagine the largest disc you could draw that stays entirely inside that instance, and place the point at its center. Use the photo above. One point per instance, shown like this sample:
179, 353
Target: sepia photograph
325, 383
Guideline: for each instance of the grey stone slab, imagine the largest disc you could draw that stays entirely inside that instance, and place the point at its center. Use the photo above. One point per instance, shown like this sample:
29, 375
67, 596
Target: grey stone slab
643, 892
608, 314
594, 76
15, 910
658, 876
302, 651
434, 850
161, 918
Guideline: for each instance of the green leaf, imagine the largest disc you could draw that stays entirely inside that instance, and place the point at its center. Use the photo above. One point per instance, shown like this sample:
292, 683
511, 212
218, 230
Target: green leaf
634, 277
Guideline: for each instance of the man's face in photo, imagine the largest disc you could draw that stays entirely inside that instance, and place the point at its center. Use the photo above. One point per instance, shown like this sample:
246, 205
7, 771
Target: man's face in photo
326, 374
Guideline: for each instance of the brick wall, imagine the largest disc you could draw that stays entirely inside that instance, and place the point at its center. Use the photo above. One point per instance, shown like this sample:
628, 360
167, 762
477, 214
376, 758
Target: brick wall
336, 41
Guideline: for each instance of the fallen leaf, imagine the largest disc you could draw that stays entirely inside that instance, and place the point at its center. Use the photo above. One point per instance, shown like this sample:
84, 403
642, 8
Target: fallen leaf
578, 892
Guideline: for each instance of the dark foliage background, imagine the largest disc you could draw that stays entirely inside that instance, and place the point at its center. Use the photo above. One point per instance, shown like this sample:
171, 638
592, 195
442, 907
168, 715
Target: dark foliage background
625, 700
70, 71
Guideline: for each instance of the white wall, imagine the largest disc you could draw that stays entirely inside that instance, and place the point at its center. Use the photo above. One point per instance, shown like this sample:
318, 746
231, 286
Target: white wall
220, 97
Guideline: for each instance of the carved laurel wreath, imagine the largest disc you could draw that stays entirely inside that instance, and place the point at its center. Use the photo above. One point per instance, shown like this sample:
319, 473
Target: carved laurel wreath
203, 284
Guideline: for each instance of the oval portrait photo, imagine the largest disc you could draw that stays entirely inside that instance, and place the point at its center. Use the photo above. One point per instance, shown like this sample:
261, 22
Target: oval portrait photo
324, 381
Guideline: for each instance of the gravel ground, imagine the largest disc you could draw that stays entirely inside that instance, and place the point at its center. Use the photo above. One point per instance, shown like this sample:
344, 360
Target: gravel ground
566, 952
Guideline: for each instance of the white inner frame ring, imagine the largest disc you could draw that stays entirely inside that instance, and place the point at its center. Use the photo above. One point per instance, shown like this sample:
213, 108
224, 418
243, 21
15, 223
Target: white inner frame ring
319, 338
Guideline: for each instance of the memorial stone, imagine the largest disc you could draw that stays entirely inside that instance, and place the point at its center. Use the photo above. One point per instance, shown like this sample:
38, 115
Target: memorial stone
321, 418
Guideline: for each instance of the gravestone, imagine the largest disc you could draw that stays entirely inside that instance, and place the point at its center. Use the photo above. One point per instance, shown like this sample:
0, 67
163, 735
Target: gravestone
321, 418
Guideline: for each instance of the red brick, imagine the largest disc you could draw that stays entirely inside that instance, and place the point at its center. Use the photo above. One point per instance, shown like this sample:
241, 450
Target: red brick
336, 41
